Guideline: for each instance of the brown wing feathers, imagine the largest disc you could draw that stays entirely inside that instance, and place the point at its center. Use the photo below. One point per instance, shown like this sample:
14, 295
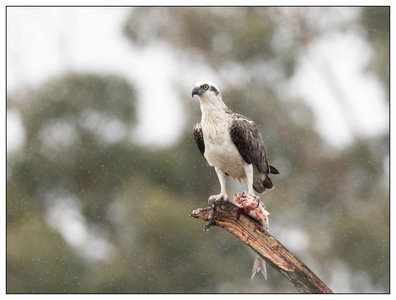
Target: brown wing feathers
247, 138
198, 136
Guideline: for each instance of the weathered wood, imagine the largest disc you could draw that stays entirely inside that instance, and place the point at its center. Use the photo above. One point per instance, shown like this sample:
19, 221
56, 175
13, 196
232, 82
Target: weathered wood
264, 244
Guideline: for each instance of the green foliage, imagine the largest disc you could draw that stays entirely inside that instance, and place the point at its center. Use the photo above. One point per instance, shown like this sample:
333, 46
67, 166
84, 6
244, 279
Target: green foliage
81, 156
39, 260
222, 35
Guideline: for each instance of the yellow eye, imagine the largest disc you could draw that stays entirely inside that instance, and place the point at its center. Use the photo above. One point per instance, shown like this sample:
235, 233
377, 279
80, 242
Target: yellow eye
205, 87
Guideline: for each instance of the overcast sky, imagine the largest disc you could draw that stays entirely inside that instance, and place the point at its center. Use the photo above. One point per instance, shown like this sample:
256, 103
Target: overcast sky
47, 42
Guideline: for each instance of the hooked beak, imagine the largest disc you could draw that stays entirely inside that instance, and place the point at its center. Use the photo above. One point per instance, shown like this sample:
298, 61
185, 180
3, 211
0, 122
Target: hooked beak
197, 91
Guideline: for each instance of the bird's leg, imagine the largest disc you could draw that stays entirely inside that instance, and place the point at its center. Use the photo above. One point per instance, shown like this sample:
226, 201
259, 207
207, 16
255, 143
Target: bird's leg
249, 180
223, 192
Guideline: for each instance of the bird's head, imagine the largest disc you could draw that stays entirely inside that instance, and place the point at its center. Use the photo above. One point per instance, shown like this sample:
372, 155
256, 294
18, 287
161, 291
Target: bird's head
206, 89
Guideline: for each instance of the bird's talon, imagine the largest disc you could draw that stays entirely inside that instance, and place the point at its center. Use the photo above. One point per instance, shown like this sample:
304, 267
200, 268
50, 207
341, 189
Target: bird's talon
215, 198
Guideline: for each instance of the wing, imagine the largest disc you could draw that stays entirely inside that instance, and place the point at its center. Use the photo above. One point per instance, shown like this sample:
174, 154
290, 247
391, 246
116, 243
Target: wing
249, 142
198, 136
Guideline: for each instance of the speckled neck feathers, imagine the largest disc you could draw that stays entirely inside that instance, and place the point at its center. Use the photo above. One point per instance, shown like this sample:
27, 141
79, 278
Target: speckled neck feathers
214, 111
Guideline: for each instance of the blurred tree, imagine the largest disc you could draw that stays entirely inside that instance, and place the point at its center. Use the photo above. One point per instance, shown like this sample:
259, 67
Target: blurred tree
69, 152
375, 21
327, 194
89, 209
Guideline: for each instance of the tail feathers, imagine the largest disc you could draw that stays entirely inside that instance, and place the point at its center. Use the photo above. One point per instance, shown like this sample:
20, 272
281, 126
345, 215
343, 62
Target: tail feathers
260, 185
263, 182
267, 183
273, 170
259, 265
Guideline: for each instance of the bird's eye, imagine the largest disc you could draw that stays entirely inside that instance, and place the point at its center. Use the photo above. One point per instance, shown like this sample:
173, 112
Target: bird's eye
206, 87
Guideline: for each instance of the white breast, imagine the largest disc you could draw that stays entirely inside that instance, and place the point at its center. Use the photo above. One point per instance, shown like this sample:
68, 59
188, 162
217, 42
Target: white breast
220, 151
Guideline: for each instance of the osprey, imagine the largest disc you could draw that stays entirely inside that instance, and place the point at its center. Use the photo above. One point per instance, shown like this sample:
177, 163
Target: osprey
231, 143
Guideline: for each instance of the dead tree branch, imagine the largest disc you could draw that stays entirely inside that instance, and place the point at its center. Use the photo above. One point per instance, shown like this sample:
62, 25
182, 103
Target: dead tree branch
264, 244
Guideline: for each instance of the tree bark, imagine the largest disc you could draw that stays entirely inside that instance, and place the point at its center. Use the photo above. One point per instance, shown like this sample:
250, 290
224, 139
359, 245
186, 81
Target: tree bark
264, 244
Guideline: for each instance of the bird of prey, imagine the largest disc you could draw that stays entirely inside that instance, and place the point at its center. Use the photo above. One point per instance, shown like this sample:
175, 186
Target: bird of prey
231, 143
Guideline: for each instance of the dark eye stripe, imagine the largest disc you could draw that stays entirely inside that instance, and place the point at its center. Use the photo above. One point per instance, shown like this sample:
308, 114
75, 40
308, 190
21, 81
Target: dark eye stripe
208, 87
213, 89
